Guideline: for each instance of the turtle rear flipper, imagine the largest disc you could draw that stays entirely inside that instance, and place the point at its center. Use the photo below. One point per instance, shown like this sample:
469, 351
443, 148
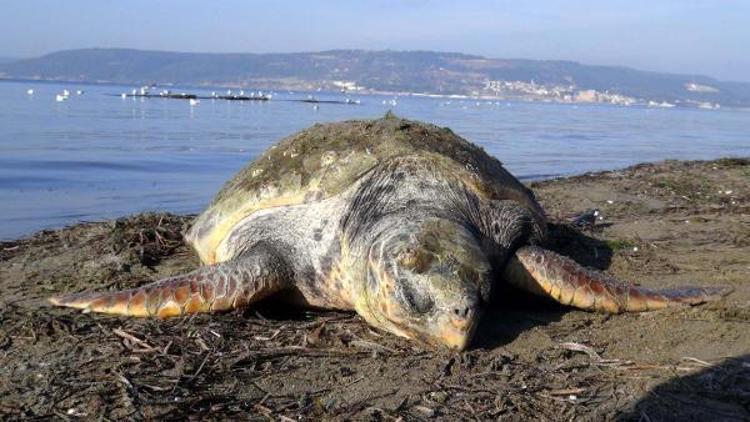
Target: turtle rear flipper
228, 285
546, 273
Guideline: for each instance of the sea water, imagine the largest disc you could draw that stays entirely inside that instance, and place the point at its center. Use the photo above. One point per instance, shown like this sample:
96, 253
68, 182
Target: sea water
97, 155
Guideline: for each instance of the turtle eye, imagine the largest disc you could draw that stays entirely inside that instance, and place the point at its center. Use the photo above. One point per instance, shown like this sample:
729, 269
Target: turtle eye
417, 301
415, 260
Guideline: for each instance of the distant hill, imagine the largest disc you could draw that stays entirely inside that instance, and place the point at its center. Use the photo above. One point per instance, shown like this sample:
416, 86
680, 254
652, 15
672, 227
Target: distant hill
384, 71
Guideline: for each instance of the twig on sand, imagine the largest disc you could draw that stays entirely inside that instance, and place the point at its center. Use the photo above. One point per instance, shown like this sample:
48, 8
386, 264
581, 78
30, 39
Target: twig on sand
144, 347
566, 391
273, 336
200, 368
698, 361
578, 347
372, 346
629, 365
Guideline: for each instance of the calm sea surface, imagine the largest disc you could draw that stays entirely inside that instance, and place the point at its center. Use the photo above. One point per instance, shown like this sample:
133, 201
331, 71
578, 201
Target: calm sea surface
98, 156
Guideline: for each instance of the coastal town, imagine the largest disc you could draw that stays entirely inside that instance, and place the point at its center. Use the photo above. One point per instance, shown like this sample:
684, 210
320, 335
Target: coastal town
530, 91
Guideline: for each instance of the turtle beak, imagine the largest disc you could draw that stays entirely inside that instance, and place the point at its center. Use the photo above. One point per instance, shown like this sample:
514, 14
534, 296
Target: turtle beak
458, 331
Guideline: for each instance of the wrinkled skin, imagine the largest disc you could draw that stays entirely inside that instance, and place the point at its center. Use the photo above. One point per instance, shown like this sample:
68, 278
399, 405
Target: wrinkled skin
429, 283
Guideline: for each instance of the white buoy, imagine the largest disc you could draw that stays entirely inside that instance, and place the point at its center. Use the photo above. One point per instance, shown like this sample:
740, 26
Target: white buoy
79, 92
60, 98
30, 91
194, 102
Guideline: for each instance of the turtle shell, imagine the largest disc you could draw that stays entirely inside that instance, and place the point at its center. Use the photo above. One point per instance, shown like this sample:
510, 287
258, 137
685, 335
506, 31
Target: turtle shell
325, 159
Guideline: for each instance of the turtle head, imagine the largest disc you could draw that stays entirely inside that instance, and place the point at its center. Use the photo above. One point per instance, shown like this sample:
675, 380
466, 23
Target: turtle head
427, 281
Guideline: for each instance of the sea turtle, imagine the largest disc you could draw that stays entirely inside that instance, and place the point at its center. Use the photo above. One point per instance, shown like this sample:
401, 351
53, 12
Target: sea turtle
403, 222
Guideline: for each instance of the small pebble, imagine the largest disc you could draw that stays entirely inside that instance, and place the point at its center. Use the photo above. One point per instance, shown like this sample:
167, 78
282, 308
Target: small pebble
428, 412
610, 202
439, 396
75, 412
572, 397
635, 248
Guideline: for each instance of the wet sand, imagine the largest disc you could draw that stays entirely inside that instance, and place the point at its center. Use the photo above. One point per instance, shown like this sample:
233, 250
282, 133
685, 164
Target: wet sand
665, 224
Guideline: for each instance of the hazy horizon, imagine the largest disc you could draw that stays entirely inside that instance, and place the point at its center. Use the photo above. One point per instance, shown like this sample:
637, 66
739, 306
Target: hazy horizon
687, 37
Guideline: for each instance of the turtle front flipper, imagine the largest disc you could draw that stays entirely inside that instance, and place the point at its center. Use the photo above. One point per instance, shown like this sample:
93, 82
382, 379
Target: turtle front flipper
245, 279
546, 273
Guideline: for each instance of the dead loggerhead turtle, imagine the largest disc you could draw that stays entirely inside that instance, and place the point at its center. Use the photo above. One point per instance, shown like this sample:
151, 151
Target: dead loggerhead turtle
405, 223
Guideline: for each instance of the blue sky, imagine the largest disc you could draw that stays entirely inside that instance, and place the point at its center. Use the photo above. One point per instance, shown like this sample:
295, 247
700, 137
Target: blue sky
688, 36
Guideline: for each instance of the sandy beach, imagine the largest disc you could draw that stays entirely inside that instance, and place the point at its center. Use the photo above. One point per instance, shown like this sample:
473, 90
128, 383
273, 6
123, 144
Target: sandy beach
666, 224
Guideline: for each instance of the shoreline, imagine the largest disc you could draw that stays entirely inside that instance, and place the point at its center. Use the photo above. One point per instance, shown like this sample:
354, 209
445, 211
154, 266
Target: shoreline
528, 181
